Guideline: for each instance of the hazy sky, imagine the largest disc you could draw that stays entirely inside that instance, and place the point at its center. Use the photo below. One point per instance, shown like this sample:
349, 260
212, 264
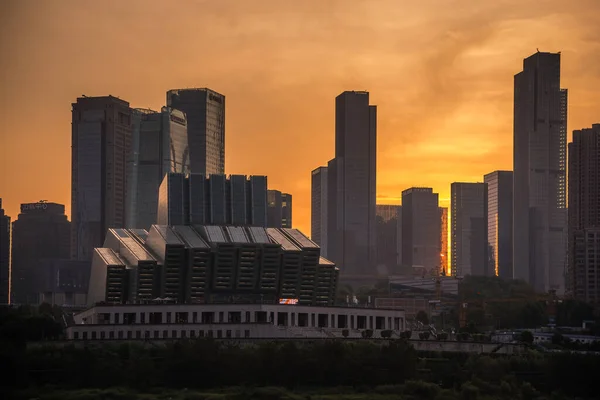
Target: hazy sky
440, 72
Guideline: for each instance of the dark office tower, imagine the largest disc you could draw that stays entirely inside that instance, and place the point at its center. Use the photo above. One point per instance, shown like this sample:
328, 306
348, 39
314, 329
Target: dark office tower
539, 227
387, 238
583, 277
500, 223
159, 146
4, 256
215, 200
421, 225
318, 208
101, 146
205, 112
42, 231
468, 234
351, 185
279, 209
444, 240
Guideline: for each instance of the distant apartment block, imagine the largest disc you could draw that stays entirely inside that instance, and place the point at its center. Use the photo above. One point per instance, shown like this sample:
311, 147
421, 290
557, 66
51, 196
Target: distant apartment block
216, 200
279, 209
387, 238
500, 223
318, 208
205, 112
444, 240
469, 228
159, 146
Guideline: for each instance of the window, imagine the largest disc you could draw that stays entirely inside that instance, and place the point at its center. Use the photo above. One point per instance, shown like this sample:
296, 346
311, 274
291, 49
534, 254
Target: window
219, 334
165, 334
221, 318
156, 334
147, 335
183, 334
120, 334
174, 334
228, 333
85, 335
200, 333
111, 334
102, 335
247, 333
138, 334
129, 334
117, 318
75, 335
192, 333
194, 317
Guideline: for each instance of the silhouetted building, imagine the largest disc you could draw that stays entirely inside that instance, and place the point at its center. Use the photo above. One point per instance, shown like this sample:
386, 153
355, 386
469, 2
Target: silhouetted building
500, 223
387, 238
469, 228
583, 277
205, 113
62, 282
318, 208
421, 225
4, 256
539, 204
42, 231
215, 200
101, 147
279, 209
444, 240
211, 264
351, 185
159, 146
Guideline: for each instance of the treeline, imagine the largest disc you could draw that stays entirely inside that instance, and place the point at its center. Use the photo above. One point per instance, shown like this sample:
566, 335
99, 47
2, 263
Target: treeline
362, 366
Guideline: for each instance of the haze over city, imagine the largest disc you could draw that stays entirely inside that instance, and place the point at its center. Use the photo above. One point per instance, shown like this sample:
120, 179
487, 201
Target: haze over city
442, 78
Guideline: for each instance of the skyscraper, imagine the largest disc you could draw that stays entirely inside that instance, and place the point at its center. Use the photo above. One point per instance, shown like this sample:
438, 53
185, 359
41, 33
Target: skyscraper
159, 146
352, 185
583, 278
279, 209
444, 240
42, 231
4, 256
101, 146
500, 223
539, 228
205, 113
318, 208
214, 200
421, 226
469, 228
387, 238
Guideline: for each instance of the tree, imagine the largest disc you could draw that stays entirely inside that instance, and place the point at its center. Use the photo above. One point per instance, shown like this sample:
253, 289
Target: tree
422, 317
526, 337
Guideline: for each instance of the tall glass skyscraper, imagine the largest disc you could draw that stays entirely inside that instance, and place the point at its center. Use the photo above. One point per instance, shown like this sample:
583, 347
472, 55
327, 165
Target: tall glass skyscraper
539, 204
205, 113
500, 223
159, 146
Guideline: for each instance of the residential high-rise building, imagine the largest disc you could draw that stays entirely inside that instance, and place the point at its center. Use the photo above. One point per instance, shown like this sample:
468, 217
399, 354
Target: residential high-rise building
500, 223
215, 200
159, 146
444, 240
387, 238
279, 209
205, 113
101, 148
583, 277
4, 256
468, 234
318, 208
539, 213
421, 226
42, 231
351, 185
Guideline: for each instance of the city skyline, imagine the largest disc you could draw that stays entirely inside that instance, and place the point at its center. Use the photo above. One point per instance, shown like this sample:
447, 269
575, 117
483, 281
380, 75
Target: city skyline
411, 125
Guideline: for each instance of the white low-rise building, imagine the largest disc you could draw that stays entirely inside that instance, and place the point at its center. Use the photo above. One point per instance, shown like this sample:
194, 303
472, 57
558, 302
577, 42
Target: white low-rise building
179, 321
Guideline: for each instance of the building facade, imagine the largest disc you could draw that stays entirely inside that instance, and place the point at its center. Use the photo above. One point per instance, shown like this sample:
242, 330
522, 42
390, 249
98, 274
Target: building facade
62, 282
421, 226
583, 277
211, 264
318, 208
217, 199
352, 185
500, 223
387, 238
539, 203
468, 234
5, 268
41, 231
159, 146
101, 147
279, 209
205, 113
444, 241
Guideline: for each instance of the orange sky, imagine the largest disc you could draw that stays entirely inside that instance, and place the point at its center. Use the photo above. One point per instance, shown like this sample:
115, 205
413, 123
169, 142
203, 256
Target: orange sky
440, 71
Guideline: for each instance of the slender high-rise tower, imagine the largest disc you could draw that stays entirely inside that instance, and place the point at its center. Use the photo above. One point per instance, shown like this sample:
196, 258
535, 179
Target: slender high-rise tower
352, 184
318, 208
4, 256
205, 113
500, 223
101, 147
540, 118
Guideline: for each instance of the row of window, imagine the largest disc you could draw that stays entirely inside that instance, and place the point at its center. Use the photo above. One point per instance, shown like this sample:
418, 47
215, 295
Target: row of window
156, 334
